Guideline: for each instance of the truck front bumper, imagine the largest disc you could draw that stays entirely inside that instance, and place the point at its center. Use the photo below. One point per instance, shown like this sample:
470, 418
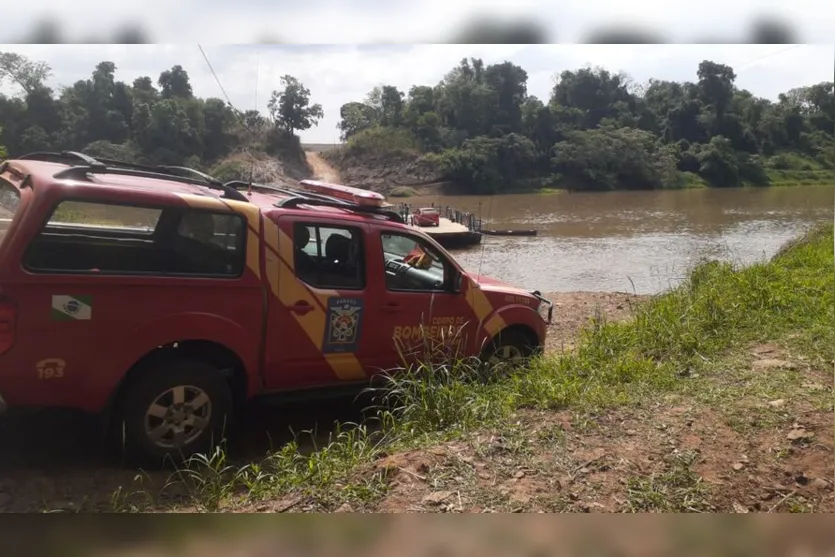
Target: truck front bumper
544, 304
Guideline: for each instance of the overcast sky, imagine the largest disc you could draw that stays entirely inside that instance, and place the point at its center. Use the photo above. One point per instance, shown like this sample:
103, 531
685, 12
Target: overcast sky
341, 73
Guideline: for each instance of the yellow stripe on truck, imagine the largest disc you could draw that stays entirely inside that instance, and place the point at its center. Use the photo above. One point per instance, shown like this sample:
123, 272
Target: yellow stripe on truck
290, 291
203, 202
483, 308
285, 247
249, 212
346, 366
271, 235
272, 262
253, 245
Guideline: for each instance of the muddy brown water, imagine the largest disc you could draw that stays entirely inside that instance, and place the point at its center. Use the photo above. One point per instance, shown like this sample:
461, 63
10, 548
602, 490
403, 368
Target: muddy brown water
640, 242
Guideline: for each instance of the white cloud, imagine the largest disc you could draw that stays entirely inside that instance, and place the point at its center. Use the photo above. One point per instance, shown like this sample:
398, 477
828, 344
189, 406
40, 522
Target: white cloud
352, 21
337, 74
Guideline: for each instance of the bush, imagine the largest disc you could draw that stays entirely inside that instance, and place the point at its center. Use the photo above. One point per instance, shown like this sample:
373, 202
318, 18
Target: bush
718, 163
624, 158
231, 170
127, 152
751, 170
488, 165
380, 140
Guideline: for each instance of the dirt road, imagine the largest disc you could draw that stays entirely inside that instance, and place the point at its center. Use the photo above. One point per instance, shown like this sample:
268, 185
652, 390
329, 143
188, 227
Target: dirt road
322, 170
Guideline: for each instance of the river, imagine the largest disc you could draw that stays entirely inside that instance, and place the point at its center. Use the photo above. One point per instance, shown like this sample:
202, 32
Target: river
639, 242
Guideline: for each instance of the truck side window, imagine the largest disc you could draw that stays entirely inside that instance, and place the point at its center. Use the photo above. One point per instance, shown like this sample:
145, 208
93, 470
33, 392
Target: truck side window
106, 238
411, 264
329, 256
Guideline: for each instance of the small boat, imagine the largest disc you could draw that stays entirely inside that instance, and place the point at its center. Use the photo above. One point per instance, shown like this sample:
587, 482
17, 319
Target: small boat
509, 232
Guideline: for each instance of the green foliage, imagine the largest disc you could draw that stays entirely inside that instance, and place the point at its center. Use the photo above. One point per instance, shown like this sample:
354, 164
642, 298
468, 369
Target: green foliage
489, 165
716, 133
402, 191
718, 164
608, 159
381, 140
231, 170
128, 151
290, 108
146, 121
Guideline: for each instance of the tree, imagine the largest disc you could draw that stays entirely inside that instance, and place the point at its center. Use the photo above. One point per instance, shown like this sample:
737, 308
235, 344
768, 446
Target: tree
355, 117
290, 108
509, 85
477, 126
175, 83
718, 163
27, 74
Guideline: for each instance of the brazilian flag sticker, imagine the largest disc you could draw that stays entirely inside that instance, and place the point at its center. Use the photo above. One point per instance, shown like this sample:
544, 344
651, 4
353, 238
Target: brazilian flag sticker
72, 308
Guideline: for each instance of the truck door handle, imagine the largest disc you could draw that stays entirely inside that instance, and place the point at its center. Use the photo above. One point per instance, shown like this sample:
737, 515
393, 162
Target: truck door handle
301, 307
392, 308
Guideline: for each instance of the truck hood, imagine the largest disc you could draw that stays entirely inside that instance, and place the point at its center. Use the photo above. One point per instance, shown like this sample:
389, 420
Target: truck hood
490, 284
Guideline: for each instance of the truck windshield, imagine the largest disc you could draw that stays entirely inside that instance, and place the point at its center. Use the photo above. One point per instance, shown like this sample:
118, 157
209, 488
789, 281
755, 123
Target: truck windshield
9, 201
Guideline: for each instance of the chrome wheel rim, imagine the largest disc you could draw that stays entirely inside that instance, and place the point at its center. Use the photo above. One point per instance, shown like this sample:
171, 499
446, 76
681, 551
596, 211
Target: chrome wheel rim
506, 355
178, 416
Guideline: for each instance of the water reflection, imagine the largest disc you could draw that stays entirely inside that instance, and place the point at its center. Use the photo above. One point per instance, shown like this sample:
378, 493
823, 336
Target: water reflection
634, 241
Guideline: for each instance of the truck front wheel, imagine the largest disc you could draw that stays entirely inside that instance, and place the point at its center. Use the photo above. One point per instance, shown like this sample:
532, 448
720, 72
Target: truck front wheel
173, 411
508, 350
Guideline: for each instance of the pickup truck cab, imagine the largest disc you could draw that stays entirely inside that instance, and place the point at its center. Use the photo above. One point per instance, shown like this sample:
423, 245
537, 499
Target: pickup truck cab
164, 302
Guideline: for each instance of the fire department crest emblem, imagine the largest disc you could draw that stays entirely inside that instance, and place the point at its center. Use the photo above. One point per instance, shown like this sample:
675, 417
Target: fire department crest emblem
344, 325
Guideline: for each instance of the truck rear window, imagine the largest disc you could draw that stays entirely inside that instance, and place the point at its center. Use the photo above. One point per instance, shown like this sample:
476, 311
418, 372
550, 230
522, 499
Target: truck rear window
109, 238
9, 201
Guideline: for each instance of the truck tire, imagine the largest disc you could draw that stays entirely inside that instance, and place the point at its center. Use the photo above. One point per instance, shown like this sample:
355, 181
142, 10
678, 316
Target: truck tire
510, 348
172, 411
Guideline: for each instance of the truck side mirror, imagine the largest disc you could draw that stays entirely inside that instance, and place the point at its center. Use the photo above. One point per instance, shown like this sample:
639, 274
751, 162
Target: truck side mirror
455, 284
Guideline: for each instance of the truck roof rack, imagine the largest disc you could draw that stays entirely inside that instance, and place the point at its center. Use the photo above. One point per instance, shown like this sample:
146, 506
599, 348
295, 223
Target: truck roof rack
92, 165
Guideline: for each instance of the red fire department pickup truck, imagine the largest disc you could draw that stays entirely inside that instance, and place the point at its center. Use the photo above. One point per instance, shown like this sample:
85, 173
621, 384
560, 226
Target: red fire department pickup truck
163, 299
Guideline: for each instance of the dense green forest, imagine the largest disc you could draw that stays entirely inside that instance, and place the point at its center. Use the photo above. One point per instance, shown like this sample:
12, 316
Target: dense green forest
478, 127
598, 131
147, 121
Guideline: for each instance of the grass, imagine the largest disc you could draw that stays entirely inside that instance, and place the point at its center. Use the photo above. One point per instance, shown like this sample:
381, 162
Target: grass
784, 178
675, 489
675, 341
377, 141
402, 191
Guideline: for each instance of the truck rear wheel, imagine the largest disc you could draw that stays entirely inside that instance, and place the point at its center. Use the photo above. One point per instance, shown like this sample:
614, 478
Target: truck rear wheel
173, 411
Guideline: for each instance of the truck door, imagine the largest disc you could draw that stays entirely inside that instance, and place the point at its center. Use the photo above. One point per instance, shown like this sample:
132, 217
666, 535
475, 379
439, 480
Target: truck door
317, 320
418, 309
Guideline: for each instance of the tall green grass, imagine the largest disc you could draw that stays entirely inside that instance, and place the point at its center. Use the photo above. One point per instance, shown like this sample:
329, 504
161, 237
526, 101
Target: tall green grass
440, 394
719, 307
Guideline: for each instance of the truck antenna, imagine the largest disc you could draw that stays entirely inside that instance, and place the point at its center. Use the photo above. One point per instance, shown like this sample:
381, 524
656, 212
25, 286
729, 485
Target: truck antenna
481, 259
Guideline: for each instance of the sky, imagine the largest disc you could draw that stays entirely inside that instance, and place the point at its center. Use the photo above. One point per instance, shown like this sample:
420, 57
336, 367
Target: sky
414, 21
336, 74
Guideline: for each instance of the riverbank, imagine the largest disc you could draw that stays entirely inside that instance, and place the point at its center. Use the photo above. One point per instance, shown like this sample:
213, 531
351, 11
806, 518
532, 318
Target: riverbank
714, 397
